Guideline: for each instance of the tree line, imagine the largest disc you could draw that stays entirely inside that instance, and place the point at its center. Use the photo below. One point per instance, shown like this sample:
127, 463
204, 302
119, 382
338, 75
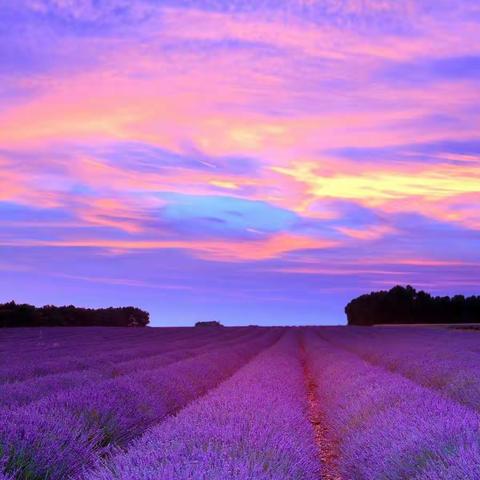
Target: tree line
23, 315
405, 305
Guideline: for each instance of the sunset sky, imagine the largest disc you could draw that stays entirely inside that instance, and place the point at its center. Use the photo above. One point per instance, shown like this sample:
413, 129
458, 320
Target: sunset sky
247, 161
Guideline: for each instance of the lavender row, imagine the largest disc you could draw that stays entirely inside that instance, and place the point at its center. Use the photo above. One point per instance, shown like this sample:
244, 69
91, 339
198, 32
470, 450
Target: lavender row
388, 427
42, 337
23, 392
88, 341
60, 435
58, 341
252, 427
194, 345
83, 359
433, 360
79, 355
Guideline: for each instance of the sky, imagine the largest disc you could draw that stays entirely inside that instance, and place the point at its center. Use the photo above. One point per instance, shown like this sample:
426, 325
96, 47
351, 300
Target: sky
246, 161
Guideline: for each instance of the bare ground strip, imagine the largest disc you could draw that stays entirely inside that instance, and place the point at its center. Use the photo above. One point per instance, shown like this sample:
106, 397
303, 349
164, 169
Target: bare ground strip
326, 445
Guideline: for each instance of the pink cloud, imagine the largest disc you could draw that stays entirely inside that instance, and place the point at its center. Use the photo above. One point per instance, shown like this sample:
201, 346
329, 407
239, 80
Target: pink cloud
217, 250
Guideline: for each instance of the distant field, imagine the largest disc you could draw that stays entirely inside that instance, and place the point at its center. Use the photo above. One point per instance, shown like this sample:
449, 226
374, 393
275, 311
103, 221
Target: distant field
239, 403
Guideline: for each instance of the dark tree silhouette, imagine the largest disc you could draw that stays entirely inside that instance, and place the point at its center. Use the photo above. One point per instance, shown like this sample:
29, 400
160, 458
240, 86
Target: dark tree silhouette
24, 315
405, 305
212, 323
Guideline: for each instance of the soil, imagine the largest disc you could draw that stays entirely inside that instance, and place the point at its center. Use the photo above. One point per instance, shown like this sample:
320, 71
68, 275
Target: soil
326, 445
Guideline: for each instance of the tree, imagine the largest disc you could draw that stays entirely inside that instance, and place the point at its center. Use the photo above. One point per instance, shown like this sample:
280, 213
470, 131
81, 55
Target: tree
211, 323
404, 305
24, 315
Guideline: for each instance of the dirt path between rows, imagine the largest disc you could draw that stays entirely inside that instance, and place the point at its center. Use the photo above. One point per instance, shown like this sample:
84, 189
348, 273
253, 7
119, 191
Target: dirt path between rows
326, 445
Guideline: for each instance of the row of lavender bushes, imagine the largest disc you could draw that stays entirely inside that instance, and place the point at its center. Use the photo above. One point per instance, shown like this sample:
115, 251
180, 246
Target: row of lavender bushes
444, 361
22, 392
84, 350
388, 427
58, 436
252, 427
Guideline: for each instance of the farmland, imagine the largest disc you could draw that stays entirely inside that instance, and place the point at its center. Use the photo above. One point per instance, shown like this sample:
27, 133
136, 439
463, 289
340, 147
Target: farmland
328, 403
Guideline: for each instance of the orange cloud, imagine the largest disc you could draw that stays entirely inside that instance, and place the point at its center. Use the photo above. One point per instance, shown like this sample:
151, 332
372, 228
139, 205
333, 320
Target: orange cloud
227, 251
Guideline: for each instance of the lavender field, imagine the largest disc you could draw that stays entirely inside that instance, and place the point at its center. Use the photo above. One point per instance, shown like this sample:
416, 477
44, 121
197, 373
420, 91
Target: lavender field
339, 403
